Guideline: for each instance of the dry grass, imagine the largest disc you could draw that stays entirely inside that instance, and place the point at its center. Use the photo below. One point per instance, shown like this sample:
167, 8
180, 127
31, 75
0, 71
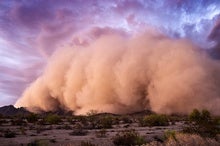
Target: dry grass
186, 140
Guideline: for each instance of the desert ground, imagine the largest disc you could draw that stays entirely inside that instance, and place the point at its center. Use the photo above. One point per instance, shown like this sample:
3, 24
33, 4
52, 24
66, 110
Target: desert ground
108, 130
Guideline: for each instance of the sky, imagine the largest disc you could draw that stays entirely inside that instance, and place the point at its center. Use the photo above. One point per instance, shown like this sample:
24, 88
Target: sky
31, 30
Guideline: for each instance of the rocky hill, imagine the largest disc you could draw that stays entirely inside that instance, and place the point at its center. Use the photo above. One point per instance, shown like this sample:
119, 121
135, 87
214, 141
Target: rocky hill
10, 110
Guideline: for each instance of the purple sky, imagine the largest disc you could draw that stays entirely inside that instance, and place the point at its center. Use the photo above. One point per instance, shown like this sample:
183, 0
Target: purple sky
30, 30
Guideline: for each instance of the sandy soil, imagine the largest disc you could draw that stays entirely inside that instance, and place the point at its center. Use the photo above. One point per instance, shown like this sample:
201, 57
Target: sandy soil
55, 135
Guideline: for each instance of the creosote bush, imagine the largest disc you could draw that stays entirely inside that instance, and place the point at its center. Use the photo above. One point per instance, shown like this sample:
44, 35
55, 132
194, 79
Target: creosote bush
201, 123
154, 120
104, 122
128, 138
200, 118
52, 119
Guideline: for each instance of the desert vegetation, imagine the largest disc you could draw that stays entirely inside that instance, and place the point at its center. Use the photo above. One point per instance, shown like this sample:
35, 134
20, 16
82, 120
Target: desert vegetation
154, 120
203, 124
128, 138
96, 129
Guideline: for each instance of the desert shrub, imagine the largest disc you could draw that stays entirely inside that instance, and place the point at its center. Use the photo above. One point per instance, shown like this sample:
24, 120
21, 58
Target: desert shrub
126, 119
90, 118
116, 120
104, 122
208, 130
205, 116
78, 131
186, 140
101, 133
9, 134
216, 120
202, 124
71, 119
82, 119
38, 142
190, 140
194, 115
170, 134
128, 138
52, 119
177, 118
86, 143
32, 118
154, 120
41, 122
200, 118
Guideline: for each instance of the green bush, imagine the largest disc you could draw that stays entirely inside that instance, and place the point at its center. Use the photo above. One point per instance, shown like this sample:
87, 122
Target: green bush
53, 119
154, 120
128, 138
202, 124
195, 115
200, 118
205, 116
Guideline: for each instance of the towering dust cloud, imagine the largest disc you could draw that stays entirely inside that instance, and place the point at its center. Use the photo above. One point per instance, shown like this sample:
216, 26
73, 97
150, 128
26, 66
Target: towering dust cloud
122, 75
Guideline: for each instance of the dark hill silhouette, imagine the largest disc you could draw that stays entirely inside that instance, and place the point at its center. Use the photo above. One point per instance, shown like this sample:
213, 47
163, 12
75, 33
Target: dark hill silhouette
10, 110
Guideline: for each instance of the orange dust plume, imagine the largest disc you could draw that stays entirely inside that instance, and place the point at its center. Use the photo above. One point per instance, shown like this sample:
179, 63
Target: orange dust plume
121, 74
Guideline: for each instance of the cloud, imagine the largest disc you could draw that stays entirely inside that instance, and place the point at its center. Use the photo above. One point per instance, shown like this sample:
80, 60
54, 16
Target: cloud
33, 30
120, 74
